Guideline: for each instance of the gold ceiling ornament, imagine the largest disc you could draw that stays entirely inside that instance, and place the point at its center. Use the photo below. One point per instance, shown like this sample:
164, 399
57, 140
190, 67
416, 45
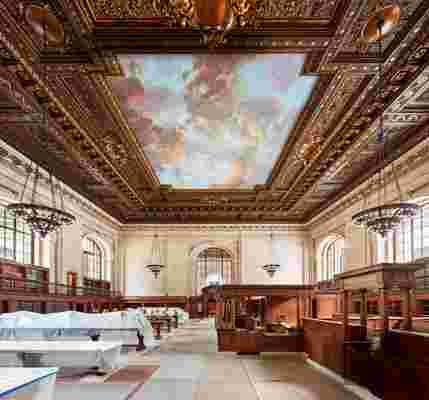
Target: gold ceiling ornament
388, 16
214, 201
40, 18
311, 147
385, 217
214, 18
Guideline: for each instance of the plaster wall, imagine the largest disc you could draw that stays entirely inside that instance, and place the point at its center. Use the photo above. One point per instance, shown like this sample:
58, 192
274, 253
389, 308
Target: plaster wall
180, 246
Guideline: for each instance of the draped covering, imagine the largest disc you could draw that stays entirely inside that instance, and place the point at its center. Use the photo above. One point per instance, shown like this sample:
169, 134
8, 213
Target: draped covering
23, 324
182, 315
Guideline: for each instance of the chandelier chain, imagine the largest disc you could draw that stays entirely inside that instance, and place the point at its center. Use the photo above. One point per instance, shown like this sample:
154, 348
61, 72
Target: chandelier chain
27, 178
35, 182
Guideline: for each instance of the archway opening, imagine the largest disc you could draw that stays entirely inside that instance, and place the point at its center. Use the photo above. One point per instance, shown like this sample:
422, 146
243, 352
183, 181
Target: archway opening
214, 266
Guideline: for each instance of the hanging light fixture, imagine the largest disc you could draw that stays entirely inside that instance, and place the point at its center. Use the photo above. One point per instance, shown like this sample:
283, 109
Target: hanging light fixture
385, 217
156, 265
272, 268
41, 218
213, 18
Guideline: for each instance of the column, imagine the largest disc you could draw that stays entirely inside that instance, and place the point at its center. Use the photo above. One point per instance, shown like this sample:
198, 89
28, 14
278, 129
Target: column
298, 311
345, 301
406, 308
339, 303
363, 308
12, 305
384, 311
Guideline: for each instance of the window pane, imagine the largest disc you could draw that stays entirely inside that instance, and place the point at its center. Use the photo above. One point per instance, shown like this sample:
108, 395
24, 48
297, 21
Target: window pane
13, 242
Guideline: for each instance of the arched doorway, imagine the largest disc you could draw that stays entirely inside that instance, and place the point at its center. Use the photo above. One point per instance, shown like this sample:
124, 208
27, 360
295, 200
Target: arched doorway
213, 265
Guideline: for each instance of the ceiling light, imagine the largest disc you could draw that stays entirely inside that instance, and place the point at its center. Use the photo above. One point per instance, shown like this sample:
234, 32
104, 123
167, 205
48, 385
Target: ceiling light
156, 266
271, 268
214, 18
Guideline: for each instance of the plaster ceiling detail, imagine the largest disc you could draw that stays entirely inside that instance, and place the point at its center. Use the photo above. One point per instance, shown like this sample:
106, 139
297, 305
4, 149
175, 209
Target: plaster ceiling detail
95, 146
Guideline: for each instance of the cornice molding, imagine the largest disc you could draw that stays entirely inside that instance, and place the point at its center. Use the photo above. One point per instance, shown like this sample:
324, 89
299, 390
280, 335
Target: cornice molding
213, 228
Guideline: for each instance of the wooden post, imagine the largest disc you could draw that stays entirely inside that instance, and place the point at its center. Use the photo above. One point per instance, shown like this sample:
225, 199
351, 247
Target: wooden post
406, 308
298, 311
384, 311
345, 301
339, 303
363, 309
12, 306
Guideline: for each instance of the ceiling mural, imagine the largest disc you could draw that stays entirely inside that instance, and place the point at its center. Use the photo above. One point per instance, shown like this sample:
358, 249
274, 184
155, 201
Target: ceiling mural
212, 120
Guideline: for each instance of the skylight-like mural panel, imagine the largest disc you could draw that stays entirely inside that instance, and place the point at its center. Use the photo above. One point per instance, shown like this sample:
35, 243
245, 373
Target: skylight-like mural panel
212, 120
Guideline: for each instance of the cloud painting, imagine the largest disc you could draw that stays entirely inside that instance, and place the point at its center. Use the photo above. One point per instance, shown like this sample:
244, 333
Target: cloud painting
212, 120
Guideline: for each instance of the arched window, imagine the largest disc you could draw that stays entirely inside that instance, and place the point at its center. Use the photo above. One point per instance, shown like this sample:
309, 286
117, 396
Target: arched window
332, 259
214, 266
16, 238
409, 243
94, 259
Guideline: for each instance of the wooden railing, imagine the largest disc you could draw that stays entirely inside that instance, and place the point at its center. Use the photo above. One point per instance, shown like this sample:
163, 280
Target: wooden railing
328, 285
27, 286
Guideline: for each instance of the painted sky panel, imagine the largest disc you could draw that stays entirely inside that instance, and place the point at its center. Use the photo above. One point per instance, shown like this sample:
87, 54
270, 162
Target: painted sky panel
212, 120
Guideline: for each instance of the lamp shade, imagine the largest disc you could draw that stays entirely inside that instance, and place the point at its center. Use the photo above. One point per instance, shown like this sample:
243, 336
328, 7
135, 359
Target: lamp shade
212, 12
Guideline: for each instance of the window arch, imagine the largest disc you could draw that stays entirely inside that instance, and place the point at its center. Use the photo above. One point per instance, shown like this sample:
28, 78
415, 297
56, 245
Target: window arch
332, 259
16, 238
214, 266
94, 259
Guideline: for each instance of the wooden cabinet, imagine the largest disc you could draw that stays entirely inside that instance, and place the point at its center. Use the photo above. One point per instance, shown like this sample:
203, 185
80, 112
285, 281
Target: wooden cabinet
96, 286
23, 277
257, 342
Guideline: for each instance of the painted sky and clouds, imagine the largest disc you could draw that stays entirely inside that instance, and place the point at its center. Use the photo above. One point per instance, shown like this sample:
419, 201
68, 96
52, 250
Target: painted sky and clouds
213, 120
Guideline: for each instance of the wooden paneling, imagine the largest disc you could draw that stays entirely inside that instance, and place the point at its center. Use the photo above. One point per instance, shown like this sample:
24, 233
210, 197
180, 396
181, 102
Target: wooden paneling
323, 342
406, 364
326, 306
255, 342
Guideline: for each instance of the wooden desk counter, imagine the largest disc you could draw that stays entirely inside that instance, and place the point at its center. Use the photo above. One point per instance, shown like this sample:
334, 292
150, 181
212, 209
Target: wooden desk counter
241, 341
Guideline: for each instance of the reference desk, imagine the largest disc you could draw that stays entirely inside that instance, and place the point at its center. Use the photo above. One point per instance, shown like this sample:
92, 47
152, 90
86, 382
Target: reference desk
244, 342
27, 383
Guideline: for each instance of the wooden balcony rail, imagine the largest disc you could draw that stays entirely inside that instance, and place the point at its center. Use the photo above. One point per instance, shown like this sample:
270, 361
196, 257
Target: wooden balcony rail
328, 285
28, 286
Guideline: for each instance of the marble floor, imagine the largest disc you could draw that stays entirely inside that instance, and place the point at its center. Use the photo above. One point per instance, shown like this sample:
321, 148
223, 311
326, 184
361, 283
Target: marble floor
192, 369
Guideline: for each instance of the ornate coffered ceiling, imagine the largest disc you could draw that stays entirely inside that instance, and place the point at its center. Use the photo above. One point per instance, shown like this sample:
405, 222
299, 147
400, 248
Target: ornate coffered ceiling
92, 146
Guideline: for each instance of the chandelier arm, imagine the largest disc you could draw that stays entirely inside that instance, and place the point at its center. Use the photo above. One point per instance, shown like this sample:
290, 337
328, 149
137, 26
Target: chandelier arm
381, 136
